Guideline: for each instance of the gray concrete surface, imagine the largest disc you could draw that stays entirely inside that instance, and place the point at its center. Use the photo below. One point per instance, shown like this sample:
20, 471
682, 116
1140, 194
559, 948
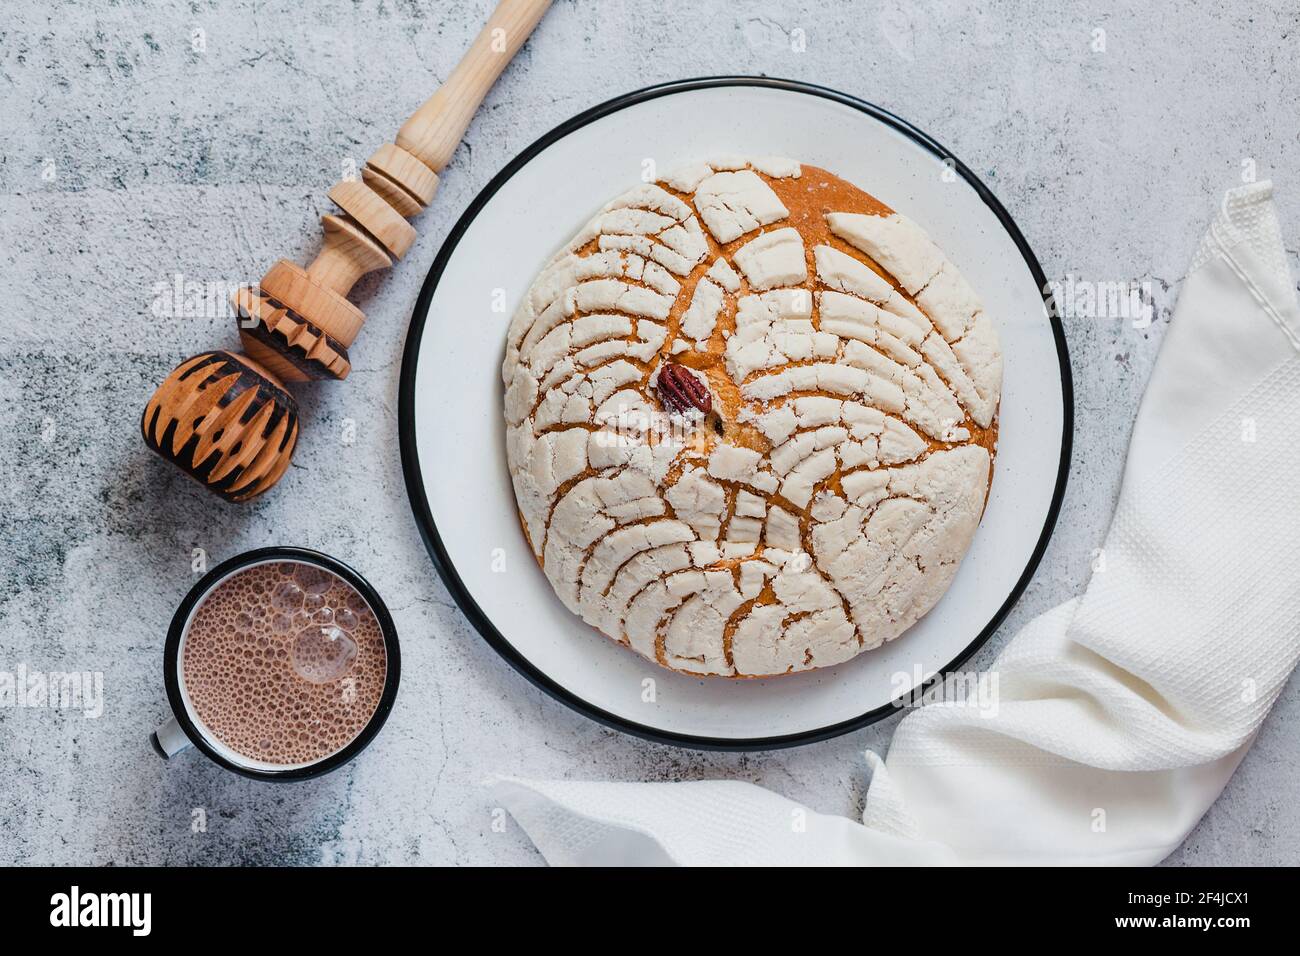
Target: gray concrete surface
140, 140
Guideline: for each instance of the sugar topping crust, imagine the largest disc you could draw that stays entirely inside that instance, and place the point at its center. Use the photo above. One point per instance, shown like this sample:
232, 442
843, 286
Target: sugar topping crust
823, 504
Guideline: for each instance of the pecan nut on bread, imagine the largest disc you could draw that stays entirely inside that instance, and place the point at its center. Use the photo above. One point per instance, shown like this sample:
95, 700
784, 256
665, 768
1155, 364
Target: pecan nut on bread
751, 415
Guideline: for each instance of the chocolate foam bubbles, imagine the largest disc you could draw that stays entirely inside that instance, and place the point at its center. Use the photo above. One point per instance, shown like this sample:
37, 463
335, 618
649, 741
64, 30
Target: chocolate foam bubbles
284, 663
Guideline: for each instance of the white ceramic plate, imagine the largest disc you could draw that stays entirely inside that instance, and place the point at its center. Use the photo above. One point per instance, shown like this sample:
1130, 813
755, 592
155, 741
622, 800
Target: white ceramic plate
452, 435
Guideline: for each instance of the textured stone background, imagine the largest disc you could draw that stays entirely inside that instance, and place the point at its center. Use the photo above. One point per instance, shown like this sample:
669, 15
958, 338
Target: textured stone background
129, 155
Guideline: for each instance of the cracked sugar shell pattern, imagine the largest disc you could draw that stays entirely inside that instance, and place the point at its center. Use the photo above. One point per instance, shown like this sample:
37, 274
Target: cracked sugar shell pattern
855, 381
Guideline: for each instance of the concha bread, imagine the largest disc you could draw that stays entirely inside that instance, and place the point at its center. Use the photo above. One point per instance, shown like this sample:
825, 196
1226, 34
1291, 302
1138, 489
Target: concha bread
818, 499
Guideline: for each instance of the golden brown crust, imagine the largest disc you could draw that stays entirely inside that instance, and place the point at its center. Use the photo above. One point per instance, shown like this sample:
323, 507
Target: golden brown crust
808, 197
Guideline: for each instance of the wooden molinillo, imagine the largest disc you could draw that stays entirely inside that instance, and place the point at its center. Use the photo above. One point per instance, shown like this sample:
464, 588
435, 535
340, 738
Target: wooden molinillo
226, 418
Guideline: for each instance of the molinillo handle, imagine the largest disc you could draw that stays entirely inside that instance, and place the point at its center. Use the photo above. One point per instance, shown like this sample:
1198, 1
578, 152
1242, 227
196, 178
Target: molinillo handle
226, 418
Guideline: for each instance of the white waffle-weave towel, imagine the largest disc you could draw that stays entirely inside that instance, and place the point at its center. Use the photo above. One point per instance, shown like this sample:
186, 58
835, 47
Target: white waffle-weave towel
1122, 713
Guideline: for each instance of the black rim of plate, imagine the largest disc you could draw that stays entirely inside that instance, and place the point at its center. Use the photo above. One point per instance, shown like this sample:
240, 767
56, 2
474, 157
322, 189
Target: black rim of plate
415, 482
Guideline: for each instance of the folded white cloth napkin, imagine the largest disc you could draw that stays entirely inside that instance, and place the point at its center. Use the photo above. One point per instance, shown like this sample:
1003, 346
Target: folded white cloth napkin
1122, 713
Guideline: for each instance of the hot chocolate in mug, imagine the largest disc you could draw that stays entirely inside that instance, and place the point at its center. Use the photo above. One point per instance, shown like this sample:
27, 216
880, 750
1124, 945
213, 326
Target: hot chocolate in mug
280, 664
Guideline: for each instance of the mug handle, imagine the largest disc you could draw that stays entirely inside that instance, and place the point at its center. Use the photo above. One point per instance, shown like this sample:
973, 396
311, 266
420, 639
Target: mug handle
169, 740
